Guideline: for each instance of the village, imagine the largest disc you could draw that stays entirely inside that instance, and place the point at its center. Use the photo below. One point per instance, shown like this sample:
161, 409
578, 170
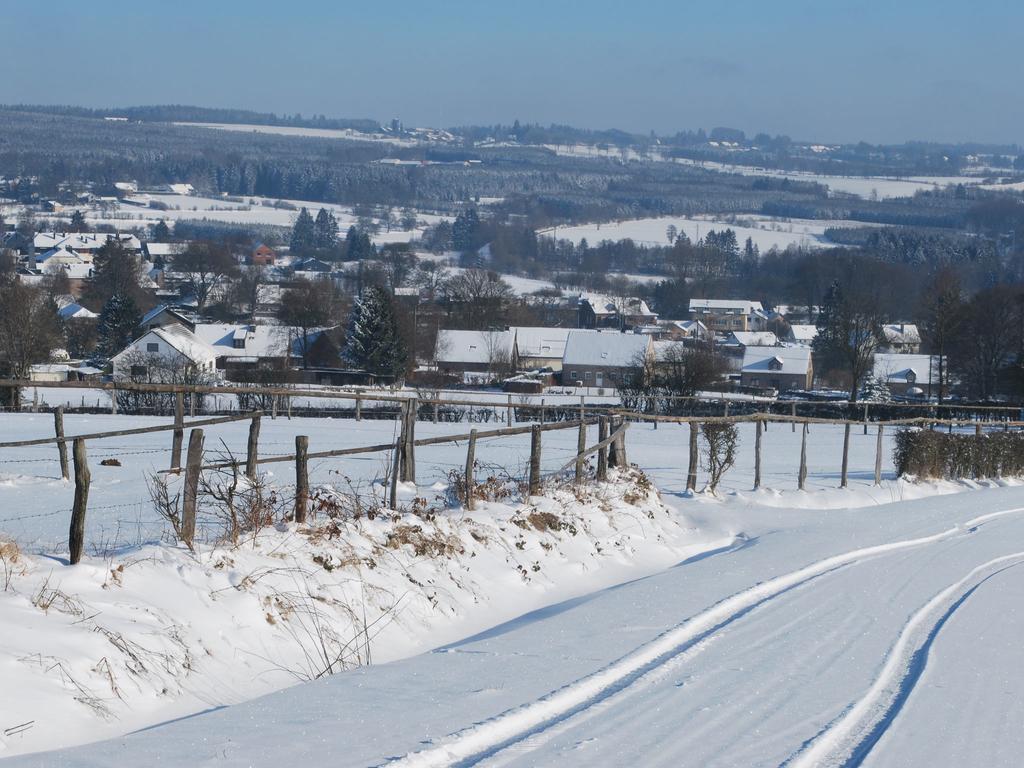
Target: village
144, 306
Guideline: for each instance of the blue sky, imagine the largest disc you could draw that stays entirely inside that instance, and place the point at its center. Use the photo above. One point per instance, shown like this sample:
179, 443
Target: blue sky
828, 70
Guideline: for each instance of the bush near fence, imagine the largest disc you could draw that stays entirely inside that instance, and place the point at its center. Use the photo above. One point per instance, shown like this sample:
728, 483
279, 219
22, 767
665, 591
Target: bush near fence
935, 455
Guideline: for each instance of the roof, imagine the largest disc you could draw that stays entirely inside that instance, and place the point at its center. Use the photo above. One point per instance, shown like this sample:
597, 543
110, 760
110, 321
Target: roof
75, 310
82, 241
740, 306
894, 368
260, 340
663, 348
754, 338
610, 305
793, 360
901, 333
160, 309
177, 337
480, 347
804, 333
615, 350
540, 342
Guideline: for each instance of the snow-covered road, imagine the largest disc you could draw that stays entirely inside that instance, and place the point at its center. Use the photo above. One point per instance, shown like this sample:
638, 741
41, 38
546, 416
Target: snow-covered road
880, 636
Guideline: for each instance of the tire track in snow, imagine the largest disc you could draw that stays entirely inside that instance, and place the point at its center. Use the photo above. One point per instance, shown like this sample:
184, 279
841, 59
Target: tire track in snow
485, 739
851, 737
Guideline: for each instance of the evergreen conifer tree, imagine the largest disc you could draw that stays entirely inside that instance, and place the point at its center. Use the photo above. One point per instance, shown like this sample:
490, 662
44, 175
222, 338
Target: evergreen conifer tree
325, 229
374, 343
303, 233
117, 323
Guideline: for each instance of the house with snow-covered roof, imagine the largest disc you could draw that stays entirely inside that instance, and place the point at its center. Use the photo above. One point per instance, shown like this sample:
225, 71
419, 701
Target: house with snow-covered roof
901, 338
159, 349
458, 352
604, 359
909, 375
540, 347
778, 368
726, 315
802, 334
601, 311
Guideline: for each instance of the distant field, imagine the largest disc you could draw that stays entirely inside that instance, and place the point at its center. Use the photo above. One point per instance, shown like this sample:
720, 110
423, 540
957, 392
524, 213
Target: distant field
766, 232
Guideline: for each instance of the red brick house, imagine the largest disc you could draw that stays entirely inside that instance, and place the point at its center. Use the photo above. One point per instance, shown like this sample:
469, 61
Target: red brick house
263, 255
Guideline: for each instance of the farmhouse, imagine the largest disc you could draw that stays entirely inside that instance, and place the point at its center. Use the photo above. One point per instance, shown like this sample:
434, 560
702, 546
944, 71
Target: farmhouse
901, 338
598, 311
725, 315
778, 368
906, 375
475, 351
170, 347
263, 256
540, 347
603, 359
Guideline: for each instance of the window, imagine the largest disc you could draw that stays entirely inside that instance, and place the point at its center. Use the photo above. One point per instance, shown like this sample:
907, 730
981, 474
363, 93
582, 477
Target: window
138, 370
239, 343
588, 375
152, 346
574, 375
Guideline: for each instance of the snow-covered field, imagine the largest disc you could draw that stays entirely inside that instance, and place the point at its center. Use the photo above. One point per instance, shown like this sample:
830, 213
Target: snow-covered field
766, 232
320, 133
859, 626
252, 210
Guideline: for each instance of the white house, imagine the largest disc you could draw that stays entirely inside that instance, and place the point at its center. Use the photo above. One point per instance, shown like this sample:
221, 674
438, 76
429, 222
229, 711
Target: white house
172, 346
85, 244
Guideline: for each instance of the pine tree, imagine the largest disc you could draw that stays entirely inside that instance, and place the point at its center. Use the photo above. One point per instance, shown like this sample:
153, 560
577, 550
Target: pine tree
875, 391
374, 344
303, 233
466, 230
325, 229
78, 222
117, 323
161, 232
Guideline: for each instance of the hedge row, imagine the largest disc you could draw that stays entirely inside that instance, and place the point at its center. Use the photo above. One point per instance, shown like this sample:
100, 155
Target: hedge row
937, 455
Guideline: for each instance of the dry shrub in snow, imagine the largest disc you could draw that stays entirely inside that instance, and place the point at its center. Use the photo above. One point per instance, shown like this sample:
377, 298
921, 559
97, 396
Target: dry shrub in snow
719, 451
10, 561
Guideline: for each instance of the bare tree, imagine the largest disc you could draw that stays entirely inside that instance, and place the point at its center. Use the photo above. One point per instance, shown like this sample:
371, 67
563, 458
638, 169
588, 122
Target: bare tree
29, 329
205, 265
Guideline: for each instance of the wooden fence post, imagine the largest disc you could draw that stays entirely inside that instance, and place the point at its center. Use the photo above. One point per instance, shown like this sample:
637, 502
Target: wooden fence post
395, 461
252, 448
613, 446
113, 401
865, 418
470, 460
581, 446
436, 408
802, 475
542, 410
35, 401
757, 456
535, 460
273, 406
691, 472
511, 413
846, 455
192, 404
792, 411
178, 435
359, 407
602, 452
62, 447
301, 477
878, 457
76, 534
726, 400
621, 447
193, 466
409, 441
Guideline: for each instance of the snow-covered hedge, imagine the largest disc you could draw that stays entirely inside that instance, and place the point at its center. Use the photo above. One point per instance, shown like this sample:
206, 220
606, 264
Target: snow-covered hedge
924, 453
